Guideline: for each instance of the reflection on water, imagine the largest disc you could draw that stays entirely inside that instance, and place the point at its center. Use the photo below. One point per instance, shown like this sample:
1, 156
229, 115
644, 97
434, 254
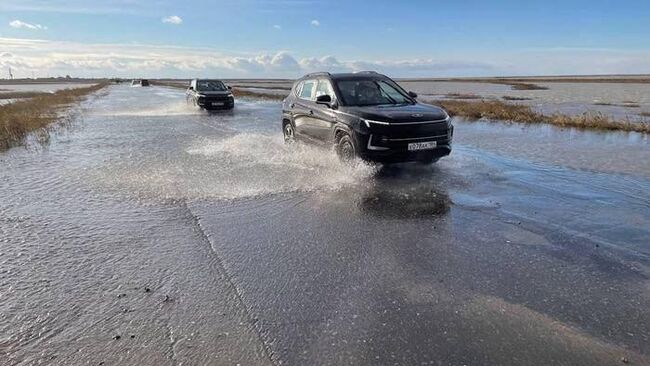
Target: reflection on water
388, 202
404, 191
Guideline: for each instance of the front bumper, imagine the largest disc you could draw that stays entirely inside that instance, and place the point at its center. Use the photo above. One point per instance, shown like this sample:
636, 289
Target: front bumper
216, 103
390, 143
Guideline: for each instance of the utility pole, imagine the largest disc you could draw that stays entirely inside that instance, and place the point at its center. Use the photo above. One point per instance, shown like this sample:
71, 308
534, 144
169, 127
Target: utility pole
11, 76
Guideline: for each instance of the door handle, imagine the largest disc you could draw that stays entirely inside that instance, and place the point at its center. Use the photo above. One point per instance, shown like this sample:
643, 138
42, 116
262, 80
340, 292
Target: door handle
311, 112
292, 105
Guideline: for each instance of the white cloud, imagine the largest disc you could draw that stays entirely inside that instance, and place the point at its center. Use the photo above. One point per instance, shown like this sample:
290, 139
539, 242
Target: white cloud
173, 19
315, 23
20, 24
277, 26
54, 58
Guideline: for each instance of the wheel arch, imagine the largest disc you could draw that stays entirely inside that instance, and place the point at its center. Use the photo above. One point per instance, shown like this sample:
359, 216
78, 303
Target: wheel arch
340, 129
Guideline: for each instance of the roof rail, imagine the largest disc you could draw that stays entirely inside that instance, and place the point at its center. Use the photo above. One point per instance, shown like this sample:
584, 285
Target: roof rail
321, 73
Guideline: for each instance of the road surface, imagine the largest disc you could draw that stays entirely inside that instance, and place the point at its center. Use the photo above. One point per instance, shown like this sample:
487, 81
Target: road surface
151, 233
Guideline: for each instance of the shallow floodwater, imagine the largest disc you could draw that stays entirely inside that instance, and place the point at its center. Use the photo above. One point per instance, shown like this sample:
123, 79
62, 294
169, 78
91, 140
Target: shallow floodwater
624, 101
154, 233
560, 97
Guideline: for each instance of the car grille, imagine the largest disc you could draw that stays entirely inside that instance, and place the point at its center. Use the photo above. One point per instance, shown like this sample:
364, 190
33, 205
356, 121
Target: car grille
397, 136
216, 98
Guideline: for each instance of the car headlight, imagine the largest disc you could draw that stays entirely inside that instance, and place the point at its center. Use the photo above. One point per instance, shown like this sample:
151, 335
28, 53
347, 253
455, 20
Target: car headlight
370, 122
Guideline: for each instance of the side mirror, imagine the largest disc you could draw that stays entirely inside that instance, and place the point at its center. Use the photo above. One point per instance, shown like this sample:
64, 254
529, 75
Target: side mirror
413, 95
190, 88
229, 87
324, 99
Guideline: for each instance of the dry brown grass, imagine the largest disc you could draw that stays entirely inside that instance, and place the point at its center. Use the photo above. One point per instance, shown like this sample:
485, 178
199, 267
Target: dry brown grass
508, 97
35, 114
623, 104
171, 84
644, 114
279, 87
523, 86
21, 95
237, 92
255, 94
498, 110
462, 96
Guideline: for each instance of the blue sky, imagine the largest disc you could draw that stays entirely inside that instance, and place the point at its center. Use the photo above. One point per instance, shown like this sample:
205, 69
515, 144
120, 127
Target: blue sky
284, 38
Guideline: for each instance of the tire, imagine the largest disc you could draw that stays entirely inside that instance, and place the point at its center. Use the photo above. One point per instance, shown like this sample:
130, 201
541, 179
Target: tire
345, 148
289, 132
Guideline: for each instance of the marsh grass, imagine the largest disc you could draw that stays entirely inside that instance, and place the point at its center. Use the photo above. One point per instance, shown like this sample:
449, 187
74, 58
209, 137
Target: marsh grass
21, 95
237, 92
524, 86
627, 104
508, 97
36, 114
498, 110
255, 94
462, 96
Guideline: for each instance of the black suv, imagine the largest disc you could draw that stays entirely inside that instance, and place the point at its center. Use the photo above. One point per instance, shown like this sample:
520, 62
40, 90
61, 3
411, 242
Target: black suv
210, 94
365, 115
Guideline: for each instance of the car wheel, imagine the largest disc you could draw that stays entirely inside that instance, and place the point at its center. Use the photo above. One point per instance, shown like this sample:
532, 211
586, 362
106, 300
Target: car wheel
345, 148
289, 133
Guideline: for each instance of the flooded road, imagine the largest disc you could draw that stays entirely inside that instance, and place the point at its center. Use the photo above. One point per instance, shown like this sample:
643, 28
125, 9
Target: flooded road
153, 233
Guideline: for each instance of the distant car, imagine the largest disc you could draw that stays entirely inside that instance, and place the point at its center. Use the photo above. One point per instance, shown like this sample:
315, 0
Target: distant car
210, 94
365, 115
140, 82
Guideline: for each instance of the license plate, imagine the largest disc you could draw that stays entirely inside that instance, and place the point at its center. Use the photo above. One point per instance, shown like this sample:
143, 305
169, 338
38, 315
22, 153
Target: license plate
217, 104
414, 146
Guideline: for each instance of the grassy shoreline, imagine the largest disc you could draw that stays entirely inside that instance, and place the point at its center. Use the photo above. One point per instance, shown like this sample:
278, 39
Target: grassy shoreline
474, 110
237, 92
498, 110
19, 119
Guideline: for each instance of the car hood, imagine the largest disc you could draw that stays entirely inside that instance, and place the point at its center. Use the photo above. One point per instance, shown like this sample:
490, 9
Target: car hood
399, 113
213, 93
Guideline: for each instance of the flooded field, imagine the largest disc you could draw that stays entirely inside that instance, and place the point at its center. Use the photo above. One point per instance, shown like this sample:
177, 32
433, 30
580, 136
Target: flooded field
619, 100
153, 233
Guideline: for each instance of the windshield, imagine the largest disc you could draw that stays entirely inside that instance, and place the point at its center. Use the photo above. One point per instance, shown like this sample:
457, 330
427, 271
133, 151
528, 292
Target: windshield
210, 85
364, 92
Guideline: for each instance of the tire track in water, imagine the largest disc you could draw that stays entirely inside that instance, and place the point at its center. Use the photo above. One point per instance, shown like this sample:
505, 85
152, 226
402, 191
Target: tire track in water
251, 320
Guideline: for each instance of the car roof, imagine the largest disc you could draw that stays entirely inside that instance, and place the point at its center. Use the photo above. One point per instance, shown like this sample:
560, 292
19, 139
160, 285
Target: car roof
345, 76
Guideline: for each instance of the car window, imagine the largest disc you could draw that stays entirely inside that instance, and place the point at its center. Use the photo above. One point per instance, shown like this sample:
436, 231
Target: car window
324, 88
307, 89
364, 92
298, 88
210, 85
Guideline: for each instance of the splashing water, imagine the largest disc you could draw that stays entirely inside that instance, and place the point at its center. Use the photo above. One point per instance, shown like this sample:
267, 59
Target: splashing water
243, 165
261, 164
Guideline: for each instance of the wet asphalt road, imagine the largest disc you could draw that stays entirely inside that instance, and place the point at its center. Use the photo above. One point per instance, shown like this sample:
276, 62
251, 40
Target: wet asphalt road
201, 239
